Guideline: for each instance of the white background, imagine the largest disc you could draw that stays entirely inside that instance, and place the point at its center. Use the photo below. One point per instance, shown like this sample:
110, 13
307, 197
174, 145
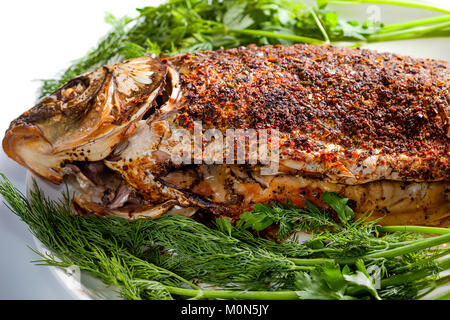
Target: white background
40, 38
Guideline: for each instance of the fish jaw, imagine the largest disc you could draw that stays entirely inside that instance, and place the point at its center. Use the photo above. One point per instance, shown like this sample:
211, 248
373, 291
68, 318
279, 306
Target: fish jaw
26, 145
86, 118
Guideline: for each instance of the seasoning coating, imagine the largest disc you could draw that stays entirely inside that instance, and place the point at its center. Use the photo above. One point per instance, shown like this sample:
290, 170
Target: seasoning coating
363, 102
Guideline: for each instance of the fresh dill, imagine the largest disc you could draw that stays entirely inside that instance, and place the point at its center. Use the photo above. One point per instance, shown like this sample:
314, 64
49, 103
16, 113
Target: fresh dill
175, 257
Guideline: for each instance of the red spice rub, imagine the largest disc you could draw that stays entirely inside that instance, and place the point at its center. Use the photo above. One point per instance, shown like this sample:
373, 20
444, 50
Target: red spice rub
355, 98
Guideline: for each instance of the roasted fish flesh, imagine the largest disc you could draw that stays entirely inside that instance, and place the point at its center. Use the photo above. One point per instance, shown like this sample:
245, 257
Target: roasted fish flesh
373, 127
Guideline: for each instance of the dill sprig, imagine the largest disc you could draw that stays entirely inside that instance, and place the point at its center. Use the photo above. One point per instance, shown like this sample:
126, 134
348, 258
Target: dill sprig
175, 256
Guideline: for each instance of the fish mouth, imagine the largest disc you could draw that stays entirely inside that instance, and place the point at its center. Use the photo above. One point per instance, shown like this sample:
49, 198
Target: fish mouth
86, 118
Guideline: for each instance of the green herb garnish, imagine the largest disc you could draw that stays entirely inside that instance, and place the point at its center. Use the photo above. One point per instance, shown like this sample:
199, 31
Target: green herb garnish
180, 26
171, 256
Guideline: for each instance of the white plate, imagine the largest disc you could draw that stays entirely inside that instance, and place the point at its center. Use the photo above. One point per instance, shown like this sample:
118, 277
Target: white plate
82, 286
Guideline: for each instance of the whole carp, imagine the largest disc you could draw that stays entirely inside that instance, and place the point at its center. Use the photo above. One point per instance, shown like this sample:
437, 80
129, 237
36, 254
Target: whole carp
133, 137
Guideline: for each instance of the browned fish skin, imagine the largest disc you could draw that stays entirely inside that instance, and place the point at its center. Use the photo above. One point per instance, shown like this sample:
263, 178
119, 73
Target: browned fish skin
85, 118
357, 99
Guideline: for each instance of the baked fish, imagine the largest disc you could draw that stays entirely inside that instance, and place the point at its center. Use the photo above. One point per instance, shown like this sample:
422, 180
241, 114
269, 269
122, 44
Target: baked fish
373, 127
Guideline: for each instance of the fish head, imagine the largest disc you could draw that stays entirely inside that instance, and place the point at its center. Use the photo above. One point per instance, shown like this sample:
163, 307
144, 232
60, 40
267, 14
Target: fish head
85, 118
